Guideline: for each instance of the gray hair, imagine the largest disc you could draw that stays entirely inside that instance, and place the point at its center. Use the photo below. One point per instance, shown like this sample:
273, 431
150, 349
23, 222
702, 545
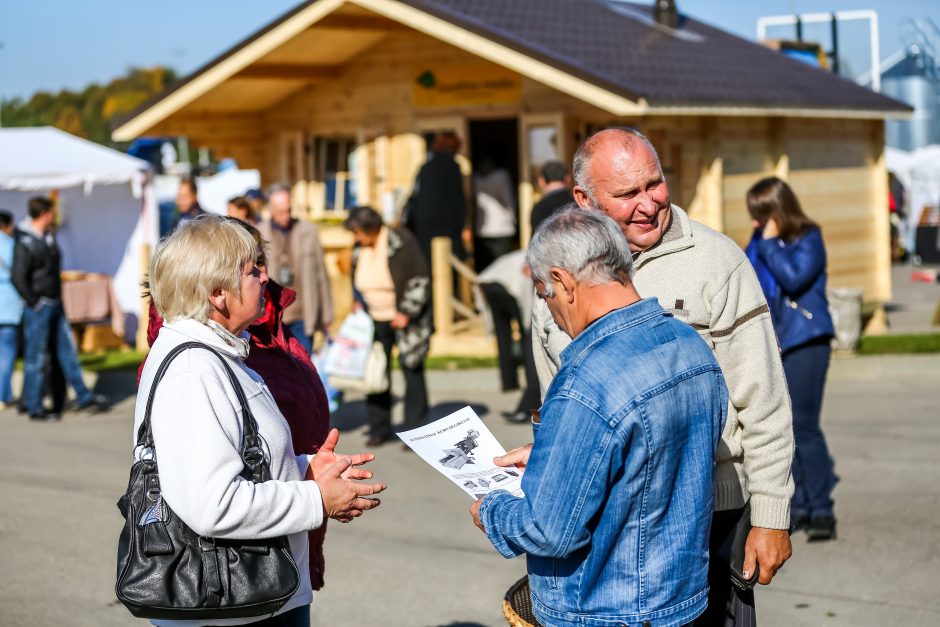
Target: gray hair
582, 157
586, 243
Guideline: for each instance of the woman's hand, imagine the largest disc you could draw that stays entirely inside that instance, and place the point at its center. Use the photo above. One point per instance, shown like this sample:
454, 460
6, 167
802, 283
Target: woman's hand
343, 499
770, 229
400, 321
327, 456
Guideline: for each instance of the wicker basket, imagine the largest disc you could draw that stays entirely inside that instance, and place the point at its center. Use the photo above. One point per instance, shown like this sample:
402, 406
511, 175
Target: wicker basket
517, 605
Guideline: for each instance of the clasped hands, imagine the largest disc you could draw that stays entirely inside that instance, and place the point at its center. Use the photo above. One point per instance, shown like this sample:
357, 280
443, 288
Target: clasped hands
338, 476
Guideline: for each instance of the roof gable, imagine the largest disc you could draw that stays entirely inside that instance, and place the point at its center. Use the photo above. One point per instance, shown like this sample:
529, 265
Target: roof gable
612, 55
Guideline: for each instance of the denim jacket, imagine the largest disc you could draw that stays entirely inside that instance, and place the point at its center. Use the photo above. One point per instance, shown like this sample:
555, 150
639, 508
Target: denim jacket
618, 487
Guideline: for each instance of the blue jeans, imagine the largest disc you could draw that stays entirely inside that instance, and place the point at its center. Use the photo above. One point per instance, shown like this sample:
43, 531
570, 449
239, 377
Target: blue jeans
7, 359
813, 477
46, 323
296, 329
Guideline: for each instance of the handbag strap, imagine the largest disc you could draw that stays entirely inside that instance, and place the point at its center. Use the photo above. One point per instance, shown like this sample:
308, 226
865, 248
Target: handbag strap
251, 451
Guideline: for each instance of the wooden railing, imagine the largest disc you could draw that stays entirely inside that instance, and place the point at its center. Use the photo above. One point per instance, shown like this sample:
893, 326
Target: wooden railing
451, 315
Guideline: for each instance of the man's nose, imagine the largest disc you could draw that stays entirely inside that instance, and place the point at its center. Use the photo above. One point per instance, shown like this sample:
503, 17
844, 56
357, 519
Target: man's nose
646, 204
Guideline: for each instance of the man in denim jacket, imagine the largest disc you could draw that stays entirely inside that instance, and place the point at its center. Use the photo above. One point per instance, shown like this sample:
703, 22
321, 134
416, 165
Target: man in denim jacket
618, 486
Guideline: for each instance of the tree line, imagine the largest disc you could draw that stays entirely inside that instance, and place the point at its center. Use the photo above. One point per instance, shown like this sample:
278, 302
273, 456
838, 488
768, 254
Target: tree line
88, 113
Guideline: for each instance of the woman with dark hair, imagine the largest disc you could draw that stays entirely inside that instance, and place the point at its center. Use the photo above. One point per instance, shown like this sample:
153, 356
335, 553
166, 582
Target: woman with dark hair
789, 257
392, 283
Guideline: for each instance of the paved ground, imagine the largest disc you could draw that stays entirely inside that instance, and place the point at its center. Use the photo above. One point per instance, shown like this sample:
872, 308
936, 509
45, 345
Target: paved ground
418, 561
912, 306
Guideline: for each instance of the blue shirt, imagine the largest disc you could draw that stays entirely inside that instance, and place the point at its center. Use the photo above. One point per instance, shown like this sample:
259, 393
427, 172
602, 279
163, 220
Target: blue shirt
11, 305
618, 487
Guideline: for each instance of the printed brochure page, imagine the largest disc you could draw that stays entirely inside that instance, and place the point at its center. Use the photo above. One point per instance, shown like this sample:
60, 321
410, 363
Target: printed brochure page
461, 448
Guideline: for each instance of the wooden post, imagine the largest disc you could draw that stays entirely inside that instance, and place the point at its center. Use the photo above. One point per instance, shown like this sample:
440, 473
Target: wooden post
442, 281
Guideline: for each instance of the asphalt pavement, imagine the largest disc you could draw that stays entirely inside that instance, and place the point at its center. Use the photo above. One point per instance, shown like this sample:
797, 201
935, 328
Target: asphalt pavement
418, 561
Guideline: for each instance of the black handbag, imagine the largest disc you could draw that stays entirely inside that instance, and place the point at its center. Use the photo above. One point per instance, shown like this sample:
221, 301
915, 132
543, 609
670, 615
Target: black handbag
167, 571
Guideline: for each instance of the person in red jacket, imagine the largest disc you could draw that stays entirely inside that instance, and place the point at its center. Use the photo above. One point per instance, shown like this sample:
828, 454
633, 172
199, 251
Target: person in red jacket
283, 363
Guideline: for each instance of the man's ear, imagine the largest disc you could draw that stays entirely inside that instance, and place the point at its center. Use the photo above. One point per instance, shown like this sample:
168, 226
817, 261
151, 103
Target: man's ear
581, 197
564, 277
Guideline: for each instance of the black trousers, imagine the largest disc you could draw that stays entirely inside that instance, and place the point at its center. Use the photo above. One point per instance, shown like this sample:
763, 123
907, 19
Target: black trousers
728, 605
504, 310
379, 406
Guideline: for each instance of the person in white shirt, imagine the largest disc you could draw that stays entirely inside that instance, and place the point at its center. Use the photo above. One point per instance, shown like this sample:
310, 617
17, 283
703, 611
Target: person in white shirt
495, 212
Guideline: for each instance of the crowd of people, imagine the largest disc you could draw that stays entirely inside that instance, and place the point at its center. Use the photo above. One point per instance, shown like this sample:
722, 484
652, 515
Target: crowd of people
673, 381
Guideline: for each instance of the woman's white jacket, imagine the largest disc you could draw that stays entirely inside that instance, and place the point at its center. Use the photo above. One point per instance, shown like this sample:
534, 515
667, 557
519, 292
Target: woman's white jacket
197, 432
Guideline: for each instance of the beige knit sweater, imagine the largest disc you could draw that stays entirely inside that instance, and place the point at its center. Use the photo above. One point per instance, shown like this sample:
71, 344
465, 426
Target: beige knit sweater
705, 279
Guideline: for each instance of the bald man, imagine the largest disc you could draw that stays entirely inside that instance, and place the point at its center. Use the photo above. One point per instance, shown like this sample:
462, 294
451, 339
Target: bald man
704, 278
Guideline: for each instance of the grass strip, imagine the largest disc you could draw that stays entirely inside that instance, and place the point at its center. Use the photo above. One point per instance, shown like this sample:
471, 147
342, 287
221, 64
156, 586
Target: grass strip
905, 344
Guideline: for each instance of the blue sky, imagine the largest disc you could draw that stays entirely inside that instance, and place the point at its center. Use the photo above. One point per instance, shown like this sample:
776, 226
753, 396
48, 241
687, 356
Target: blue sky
55, 44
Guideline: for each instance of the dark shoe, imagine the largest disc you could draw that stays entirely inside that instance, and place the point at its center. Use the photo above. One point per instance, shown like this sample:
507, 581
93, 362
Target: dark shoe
821, 529
96, 402
45, 416
517, 417
375, 440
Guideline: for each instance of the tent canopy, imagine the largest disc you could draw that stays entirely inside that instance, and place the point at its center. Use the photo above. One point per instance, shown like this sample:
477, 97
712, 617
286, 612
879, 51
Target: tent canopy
37, 159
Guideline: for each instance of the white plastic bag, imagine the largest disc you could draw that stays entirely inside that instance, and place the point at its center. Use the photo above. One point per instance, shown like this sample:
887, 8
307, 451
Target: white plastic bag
353, 361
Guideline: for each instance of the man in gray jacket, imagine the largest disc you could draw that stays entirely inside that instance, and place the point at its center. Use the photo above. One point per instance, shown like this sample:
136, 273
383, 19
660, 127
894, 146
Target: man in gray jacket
295, 260
703, 277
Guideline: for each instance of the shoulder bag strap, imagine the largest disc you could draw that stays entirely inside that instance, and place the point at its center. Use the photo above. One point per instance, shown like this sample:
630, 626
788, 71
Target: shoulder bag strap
251, 451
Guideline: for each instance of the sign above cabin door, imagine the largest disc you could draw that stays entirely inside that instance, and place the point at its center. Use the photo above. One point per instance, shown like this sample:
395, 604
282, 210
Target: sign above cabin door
465, 84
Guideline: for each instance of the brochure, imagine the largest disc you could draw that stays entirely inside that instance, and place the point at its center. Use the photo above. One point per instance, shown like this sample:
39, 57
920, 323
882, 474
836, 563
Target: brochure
461, 448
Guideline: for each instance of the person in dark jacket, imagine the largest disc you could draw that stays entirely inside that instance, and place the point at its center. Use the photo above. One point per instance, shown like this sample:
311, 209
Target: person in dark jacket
187, 202
282, 361
437, 206
391, 281
789, 257
36, 276
556, 192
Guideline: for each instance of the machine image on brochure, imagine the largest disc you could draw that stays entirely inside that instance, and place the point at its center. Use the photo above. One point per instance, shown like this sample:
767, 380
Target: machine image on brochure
462, 449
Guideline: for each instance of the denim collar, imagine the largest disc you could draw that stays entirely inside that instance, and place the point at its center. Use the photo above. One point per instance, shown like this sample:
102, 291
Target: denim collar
629, 316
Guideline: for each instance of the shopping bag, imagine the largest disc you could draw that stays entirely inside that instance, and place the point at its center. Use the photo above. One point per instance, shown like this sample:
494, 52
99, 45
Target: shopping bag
353, 361
374, 377
346, 355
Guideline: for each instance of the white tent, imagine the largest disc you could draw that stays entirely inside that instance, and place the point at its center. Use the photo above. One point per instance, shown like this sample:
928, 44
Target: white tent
106, 204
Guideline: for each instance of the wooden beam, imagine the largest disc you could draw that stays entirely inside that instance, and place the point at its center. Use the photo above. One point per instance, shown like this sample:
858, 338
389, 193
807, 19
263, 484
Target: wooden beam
297, 71
360, 22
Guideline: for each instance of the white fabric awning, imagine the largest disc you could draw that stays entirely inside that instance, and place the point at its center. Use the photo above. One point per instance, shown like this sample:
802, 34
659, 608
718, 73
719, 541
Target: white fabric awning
43, 158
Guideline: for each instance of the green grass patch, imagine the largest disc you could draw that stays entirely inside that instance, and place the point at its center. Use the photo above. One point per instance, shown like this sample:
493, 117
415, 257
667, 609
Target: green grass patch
111, 360
899, 344
457, 362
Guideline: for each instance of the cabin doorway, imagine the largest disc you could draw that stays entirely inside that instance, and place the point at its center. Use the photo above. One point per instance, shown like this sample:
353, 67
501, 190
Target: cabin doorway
494, 154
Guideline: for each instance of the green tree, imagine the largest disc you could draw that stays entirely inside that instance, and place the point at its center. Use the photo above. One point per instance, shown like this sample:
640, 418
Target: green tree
88, 113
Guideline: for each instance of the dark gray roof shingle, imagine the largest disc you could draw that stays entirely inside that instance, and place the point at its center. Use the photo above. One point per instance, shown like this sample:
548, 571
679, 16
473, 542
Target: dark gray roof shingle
619, 47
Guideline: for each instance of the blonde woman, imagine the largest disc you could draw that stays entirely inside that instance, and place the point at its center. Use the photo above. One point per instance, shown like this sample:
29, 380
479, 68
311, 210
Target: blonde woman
206, 286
